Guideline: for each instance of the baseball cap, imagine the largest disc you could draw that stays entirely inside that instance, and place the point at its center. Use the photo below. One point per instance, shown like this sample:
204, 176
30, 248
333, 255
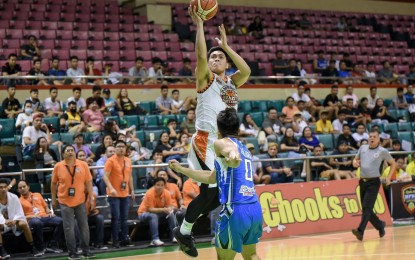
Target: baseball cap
250, 146
37, 115
106, 91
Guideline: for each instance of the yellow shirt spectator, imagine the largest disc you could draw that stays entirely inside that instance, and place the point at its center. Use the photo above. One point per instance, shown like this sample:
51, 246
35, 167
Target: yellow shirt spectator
324, 127
410, 168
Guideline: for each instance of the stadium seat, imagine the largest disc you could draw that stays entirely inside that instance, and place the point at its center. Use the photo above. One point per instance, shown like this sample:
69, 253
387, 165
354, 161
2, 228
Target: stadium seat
66, 138
404, 127
150, 134
259, 106
132, 120
140, 134
327, 140
151, 122
244, 106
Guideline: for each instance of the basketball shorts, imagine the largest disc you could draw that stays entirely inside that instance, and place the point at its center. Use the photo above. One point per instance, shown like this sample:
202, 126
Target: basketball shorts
242, 227
202, 152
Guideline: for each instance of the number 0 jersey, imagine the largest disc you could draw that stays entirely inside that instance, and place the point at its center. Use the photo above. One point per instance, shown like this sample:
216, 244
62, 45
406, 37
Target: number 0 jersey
236, 185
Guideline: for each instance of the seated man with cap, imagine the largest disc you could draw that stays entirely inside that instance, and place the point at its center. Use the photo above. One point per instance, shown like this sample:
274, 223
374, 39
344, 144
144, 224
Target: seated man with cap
110, 103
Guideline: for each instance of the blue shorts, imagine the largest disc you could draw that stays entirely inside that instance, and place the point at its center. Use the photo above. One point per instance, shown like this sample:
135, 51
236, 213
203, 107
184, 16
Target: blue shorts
242, 227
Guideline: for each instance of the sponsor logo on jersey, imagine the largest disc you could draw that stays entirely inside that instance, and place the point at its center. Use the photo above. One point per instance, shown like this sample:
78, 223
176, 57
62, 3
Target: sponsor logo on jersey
247, 191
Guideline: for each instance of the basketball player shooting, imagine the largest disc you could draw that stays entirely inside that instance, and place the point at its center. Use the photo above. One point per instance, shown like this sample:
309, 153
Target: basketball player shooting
215, 92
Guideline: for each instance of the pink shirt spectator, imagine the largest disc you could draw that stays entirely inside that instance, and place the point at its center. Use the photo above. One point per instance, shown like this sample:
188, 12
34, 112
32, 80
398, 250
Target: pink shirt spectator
93, 118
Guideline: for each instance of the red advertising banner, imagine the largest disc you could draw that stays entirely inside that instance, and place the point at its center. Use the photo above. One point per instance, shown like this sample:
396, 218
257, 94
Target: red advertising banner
314, 207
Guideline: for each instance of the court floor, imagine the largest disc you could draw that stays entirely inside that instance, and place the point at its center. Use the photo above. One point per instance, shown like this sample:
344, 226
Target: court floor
399, 243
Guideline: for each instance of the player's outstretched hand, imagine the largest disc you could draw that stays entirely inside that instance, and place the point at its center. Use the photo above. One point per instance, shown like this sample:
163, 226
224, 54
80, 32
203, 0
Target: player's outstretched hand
174, 165
222, 42
193, 14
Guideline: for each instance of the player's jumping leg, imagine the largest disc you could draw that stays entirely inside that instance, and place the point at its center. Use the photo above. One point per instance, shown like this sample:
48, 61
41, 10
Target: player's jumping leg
249, 252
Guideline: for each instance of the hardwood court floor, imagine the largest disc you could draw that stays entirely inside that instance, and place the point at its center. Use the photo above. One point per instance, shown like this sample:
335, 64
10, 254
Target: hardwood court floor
399, 243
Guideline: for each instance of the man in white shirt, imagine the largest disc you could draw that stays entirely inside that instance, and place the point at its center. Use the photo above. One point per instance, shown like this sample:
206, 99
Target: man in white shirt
339, 122
349, 94
300, 95
80, 101
182, 105
370, 74
25, 118
360, 134
164, 104
74, 71
34, 132
155, 70
52, 104
372, 97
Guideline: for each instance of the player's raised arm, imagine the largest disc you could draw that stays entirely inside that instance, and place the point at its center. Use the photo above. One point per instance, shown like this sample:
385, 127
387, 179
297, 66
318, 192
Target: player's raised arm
202, 176
202, 70
226, 148
244, 71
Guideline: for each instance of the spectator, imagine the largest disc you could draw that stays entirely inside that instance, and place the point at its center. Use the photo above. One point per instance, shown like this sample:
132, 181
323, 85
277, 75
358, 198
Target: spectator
272, 126
372, 97
35, 71
290, 145
292, 23
164, 104
78, 99
357, 75
399, 174
330, 71
320, 64
188, 125
138, 73
164, 145
38, 215
31, 50
279, 64
109, 152
322, 167
237, 28
96, 96
119, 181
360, 133
256, 28
13, 219
56, 72
313, 101
248, 127
304, 74
344, 73
344, 165
11, 68
353, 116
299, 123
370, 73
11, 105
44, 156
113, 76
348, 61
289, 110
182, 105
410, 169
309, 140
346, 137
25, 118
339, 122
323, 125
278, 172
304, 113
175, 195
385, 75
151, 172
125, 104
93, 118
397, 147
32, 133
411, 75
111, 128
334, 56
76, 72
364, 110
409, 95
187, 68
78, 144
71, 121
304, 23
106, 141
36, 105
292, 71
300, 95
399, 101
96, 219
259, 177
110, 103
332, 103
157, 205
91, 71
341, 24
53, 105
381, 112
171, 129
70, 187
155, 71
350, 94
190, 191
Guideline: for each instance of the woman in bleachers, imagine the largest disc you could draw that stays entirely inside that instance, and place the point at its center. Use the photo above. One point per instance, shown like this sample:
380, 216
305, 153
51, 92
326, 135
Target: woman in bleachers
183, 144
248, 127
44, 156
125, 104
106, 141
380, 111
364, 110
309, 140
290, 144
111, 128
168, 151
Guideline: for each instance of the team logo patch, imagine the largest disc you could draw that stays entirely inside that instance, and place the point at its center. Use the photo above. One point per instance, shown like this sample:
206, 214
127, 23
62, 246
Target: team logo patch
247, 191
229, 96
408, 198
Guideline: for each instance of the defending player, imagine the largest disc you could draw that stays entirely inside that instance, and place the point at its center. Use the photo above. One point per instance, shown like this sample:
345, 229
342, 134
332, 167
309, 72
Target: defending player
240, 221
216, 92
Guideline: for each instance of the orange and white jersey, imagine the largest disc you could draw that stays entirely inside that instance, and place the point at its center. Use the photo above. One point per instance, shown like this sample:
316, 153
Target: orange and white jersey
215, 97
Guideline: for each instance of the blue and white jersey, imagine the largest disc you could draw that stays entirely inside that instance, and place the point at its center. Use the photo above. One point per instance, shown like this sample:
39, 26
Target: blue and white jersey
236, 185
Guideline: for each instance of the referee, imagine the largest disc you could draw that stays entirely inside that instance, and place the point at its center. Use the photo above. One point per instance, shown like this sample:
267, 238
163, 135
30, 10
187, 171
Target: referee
370, 158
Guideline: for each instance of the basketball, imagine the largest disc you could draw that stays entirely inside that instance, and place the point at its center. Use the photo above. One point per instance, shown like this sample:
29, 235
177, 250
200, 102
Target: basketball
206, 9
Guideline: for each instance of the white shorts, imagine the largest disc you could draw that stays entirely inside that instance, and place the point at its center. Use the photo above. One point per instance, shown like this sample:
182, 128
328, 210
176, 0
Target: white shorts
202, 149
